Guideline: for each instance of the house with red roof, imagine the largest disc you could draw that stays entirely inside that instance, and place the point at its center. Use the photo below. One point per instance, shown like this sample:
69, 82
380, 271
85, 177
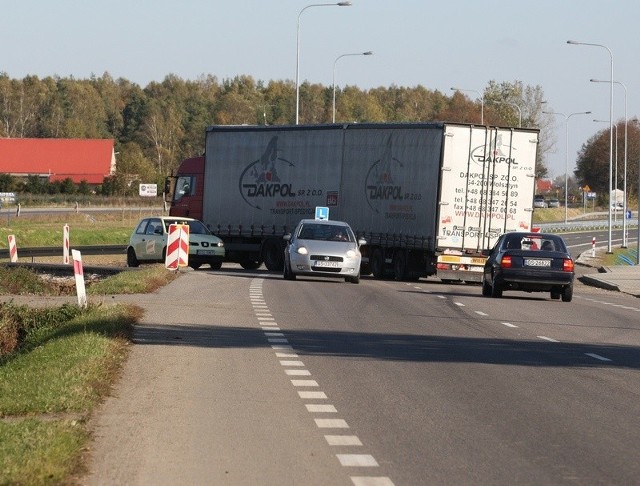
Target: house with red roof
543, 186
56, 159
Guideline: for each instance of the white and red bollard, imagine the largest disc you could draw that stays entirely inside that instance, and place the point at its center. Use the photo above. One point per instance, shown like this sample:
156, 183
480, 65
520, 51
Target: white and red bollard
177, 247
13, 249
65, 245
593, 247
79, 275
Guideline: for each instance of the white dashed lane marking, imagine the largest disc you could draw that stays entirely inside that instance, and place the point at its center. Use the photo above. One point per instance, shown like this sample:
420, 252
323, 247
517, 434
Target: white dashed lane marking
331, 423
316, 408
549, 339
292, 367
357, 460
597, 356
312, 395
343, 440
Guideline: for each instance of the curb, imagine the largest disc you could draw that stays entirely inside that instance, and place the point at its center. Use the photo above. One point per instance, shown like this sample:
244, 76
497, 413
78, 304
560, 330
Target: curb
598, 282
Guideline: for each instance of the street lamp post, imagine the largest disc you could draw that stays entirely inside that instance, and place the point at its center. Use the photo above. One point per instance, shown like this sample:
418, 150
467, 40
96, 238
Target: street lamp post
367, 53
481, 101
624, 181
609, 250
514, 105
615, 173
339, 4
566, 155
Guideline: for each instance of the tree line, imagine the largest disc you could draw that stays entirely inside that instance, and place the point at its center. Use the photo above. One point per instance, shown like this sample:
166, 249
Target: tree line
157, 126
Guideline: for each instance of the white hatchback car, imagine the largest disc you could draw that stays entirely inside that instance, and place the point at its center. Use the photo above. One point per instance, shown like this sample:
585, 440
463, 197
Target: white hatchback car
148, 242
323, 248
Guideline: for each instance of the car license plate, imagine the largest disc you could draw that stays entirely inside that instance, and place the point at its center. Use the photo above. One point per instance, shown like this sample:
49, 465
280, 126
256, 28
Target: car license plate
321, 263
205, 252
537, 262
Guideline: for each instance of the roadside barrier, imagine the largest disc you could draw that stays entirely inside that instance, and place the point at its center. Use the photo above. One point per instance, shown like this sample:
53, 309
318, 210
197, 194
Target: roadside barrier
177, 247
13, 250
79, 276
65, 244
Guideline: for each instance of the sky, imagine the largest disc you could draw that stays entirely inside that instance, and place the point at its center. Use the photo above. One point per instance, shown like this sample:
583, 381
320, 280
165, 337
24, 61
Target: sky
435, 44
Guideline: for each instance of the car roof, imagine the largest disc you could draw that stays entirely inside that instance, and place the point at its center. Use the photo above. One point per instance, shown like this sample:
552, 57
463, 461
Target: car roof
170, 218
531, 234
323, 221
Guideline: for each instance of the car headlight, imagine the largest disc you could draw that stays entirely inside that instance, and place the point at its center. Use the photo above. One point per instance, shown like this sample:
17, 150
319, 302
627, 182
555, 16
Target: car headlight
351, 253
221, 243
302, 250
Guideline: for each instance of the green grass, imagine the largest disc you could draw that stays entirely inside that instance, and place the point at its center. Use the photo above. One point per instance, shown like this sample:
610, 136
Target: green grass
35, 452
22, 281
552, 215
112, 228
50, 384
143, 281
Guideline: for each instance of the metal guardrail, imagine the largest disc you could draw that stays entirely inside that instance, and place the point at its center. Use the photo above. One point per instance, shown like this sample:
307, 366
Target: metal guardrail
42, 251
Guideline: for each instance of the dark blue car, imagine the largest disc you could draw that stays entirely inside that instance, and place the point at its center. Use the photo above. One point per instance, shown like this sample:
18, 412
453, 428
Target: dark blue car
529, 262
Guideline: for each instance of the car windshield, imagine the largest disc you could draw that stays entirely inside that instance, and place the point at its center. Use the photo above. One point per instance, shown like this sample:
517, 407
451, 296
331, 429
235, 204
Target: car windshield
195, 227
325, 232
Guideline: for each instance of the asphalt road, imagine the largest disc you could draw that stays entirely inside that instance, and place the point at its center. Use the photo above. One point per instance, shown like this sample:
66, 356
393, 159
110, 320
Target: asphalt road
244, 378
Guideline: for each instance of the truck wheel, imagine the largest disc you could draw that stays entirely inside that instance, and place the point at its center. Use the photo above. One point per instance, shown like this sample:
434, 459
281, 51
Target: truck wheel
273, 255
365, 269
250, 264
400, 265
377, 263
287, 273
132, 260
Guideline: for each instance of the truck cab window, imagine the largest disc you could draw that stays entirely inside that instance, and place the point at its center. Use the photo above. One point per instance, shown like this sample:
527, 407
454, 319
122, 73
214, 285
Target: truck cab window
184, 187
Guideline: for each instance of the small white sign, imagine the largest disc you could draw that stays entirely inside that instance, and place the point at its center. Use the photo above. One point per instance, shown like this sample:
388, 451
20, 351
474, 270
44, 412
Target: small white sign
149, 190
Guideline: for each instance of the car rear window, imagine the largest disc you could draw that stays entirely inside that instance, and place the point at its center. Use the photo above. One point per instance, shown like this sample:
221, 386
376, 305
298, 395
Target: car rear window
535, 241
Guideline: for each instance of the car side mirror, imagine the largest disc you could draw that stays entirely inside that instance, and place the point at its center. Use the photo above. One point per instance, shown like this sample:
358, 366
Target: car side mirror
362, 241
287, 237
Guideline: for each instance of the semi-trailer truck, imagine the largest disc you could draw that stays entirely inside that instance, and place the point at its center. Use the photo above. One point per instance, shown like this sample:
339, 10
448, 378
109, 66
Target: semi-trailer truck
428, 198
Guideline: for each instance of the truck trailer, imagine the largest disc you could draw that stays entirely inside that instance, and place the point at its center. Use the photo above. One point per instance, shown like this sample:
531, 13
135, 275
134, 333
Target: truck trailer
428, 198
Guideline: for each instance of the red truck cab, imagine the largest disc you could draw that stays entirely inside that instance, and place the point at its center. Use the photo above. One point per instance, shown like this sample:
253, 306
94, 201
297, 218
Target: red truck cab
187, 189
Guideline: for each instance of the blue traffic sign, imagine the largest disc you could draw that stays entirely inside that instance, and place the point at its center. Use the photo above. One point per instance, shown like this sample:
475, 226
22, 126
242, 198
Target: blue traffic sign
322, 213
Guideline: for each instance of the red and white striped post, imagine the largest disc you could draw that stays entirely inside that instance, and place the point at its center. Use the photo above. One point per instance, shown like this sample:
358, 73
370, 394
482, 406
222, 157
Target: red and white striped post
79, 276
593, 247
13, 250
65, 244
177, 247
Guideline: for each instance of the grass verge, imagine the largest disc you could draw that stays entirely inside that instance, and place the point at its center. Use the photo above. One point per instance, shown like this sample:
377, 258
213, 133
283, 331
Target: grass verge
49, 385
56, 364
22, 281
